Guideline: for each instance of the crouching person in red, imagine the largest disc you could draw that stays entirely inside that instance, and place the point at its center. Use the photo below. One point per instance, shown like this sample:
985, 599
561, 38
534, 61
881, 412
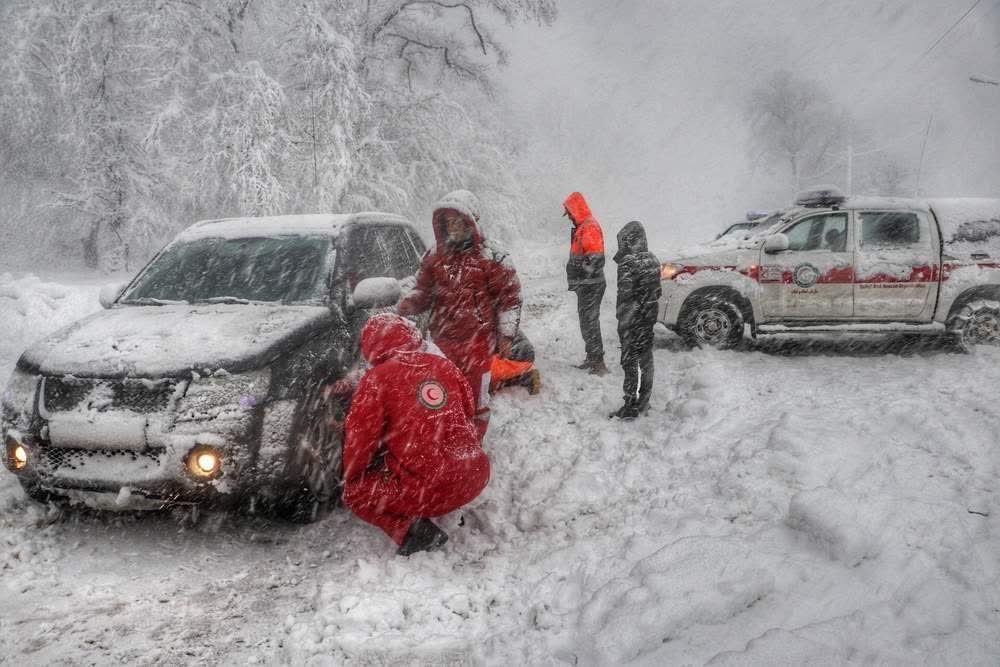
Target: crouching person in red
411, 449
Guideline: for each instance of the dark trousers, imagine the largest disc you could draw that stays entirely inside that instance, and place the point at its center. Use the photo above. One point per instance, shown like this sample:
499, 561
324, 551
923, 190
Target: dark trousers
588, 307
637, 362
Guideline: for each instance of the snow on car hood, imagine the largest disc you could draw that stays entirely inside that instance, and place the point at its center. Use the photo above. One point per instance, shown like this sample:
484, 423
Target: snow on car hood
717, 255
156, 341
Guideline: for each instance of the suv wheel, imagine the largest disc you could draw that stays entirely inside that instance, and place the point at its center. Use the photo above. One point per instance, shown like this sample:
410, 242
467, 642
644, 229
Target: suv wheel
315, 463
711, 321
976, 323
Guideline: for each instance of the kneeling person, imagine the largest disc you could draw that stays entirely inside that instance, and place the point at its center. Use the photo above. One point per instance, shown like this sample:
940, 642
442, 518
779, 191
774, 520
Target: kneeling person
514, 365
411, 449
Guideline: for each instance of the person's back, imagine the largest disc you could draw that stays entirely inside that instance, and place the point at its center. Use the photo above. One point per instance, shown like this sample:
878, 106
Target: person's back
432, 438
411, 449
636, 309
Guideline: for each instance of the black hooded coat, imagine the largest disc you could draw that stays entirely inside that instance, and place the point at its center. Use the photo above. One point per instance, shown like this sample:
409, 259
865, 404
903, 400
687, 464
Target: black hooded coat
638, 287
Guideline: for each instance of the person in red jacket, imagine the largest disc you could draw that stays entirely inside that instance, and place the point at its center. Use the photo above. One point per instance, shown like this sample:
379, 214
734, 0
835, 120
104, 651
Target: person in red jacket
411, 449
585, 276
472, 292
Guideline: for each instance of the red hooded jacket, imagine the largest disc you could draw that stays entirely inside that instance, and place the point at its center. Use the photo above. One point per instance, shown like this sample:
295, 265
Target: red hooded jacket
411, 418
586, 249
472, 291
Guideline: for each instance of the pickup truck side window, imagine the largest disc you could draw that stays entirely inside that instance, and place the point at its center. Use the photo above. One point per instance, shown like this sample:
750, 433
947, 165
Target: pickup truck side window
890, 229
819, 232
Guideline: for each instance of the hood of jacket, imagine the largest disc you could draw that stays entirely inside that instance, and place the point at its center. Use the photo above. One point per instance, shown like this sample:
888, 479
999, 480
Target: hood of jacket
387, 335
578, 209
466, 205
631, 240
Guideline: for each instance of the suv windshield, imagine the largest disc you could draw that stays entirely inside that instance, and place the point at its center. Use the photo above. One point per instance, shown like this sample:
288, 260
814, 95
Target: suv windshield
286, 269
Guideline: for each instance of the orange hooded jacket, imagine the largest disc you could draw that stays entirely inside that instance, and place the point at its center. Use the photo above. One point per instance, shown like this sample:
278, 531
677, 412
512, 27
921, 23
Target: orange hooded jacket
586, 250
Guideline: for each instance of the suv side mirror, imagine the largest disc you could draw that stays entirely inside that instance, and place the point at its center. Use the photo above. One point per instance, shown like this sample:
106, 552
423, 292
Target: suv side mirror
109, 293
776, 243
376, 293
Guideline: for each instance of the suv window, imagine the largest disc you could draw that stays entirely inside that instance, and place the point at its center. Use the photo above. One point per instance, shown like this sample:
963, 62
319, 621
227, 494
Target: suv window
365, 256
403, 260
889, 228
379, 250
819, 232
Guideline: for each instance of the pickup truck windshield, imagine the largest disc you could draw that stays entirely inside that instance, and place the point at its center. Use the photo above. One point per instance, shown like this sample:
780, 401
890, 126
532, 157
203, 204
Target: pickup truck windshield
768, 225
285, 269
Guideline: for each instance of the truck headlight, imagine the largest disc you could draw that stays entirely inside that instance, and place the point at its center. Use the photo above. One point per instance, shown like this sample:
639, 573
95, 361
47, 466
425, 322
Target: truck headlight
668, 271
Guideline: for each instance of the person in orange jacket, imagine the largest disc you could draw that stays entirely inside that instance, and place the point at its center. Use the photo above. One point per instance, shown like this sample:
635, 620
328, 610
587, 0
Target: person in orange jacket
411, 448
585, 275
515, 366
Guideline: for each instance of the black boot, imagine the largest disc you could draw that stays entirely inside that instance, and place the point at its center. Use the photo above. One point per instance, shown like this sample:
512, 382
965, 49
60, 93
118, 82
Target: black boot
423, 535
627, 412
598, 368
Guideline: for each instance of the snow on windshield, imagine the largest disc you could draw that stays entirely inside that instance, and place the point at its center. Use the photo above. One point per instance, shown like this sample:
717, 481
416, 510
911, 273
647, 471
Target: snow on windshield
287, 269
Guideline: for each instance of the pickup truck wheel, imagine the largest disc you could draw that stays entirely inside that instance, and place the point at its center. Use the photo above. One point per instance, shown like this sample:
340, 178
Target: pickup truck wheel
976, 323
317, 459
712, 321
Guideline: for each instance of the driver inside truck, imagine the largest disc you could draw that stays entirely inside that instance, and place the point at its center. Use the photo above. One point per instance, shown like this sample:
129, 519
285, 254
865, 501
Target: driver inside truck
835, 240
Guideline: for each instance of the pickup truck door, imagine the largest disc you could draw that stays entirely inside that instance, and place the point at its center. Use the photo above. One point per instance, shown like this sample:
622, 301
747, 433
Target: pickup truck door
813, 279
898, 266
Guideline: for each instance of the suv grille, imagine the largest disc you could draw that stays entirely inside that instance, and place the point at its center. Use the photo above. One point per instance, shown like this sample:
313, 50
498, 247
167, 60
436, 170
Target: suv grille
67, 393
74, 458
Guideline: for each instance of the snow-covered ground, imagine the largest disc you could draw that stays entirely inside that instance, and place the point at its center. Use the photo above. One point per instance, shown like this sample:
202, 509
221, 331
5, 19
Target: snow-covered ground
794, 503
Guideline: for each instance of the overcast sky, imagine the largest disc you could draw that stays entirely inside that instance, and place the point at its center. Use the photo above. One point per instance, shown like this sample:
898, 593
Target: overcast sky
644, 100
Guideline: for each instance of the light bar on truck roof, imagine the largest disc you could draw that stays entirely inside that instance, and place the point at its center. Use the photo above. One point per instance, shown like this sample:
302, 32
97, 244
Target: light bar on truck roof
824, 197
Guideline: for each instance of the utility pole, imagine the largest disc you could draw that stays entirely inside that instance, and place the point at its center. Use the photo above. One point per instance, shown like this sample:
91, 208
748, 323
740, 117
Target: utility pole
850, 169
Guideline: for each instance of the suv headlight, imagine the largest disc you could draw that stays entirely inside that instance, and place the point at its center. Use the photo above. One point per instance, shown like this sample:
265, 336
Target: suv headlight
18, 396
208, 397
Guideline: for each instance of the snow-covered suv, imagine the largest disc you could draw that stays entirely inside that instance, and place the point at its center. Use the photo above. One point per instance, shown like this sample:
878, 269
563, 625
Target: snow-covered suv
858, 263
214, 376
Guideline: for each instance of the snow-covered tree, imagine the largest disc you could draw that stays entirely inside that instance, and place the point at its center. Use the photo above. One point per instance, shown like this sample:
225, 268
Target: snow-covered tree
144, 116
795, 123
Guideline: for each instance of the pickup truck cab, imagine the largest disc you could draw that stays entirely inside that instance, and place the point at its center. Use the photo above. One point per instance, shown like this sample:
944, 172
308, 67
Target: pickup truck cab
858, 263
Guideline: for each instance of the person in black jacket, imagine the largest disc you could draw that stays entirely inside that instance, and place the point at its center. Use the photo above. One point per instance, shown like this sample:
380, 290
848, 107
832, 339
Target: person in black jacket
638, 298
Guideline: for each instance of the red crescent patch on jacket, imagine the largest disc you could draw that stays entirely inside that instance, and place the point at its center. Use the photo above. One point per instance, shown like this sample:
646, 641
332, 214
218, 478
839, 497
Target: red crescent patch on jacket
432, 395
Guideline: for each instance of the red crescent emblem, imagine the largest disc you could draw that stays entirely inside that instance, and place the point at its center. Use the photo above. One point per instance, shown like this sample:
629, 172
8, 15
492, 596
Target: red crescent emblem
432, 395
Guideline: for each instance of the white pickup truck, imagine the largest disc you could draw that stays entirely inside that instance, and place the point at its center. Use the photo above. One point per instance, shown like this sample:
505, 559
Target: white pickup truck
858, 263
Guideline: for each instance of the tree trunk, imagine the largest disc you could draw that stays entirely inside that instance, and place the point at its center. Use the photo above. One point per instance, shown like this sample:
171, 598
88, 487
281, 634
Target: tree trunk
91, 251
